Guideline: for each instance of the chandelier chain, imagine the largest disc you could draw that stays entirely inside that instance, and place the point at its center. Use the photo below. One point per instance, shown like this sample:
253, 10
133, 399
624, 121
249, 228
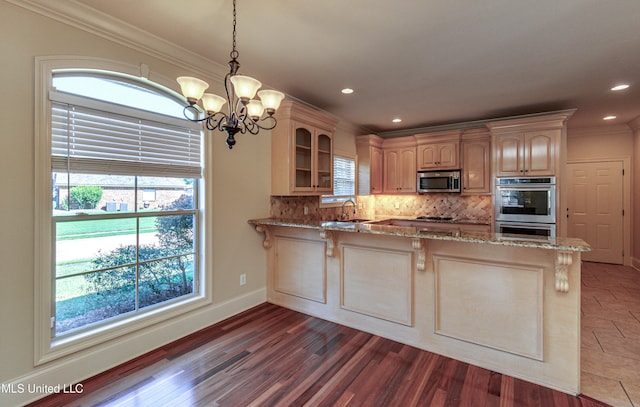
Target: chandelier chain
234, 53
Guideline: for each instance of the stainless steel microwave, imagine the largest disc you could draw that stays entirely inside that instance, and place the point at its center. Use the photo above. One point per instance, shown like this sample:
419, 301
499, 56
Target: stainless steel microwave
438, 181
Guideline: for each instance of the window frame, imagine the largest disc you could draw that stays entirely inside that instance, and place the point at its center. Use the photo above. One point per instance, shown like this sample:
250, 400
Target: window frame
339, 200
48, 348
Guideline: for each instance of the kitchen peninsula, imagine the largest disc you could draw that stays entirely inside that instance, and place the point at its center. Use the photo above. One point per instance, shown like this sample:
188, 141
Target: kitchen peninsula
510, 304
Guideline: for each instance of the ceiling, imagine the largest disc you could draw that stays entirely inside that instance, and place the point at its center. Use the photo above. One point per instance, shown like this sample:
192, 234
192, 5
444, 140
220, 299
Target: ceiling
429, 62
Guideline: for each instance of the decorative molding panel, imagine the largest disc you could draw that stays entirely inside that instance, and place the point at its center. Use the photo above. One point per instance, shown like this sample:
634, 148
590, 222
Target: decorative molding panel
301, 268
492, 304
377, 282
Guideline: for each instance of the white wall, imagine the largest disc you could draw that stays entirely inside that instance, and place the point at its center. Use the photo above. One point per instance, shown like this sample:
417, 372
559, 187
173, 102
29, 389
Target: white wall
635, 125
240, 186
599, 142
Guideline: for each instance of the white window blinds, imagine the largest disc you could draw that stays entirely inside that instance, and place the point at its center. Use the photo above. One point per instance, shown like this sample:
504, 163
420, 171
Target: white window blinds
90, 140
344, 180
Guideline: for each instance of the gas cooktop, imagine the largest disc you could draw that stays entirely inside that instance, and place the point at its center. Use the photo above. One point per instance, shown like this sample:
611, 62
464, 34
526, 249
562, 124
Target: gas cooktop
433, 218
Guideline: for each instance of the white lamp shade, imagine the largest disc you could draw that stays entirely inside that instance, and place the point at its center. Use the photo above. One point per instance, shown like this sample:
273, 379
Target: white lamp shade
255, 109
213, 103
245, 86
271, 98
192, 88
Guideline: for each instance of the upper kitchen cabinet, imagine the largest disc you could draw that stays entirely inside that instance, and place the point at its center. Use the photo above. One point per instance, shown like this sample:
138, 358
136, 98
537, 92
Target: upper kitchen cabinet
528, 154
302, 151
438, 150
476, 162
399, 157
529, 146
370, 164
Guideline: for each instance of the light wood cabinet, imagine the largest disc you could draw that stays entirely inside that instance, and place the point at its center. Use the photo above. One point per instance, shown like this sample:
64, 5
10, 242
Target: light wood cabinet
302, 151
438, 150
399, 165
438, 156
370, 164
476, 163
377, 170
529, 154
534, 146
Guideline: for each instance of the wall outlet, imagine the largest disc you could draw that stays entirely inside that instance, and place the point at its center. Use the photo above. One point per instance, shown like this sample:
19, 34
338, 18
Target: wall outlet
243, 279
397, 205
306, 210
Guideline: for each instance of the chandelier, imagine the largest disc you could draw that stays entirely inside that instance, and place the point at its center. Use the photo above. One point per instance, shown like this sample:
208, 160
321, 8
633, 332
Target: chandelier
244, 114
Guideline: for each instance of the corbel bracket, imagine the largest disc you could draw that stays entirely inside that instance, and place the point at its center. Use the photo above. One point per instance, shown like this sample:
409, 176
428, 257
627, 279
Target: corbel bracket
421, 251
267, 235
331, 242
563, 261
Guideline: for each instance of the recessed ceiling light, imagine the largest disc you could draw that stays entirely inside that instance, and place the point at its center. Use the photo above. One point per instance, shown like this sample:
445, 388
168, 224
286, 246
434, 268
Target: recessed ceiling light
396, 120
610, 117
347, 91
622, 86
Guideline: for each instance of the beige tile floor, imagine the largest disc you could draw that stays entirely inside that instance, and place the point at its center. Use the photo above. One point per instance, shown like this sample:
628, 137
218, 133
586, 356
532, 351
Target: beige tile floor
610, 351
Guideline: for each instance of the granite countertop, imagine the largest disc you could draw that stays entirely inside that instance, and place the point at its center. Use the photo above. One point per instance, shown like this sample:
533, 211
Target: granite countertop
557, 243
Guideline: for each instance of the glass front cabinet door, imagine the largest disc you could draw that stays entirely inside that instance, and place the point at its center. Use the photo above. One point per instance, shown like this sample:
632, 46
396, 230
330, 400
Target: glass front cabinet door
302, 152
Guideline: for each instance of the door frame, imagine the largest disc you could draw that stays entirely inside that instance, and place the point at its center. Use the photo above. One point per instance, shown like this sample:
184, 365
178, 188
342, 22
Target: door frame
626, 201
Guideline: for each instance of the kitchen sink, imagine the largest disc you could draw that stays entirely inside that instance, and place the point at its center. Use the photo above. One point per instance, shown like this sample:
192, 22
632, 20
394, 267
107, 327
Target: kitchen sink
355, 220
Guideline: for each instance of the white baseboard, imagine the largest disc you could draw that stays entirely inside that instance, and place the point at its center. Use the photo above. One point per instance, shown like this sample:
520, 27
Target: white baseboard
65, 372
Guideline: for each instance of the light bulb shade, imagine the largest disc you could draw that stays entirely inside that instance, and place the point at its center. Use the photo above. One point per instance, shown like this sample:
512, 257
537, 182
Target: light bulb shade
271, 99
255, 109
213, 103
245, 87
192, 88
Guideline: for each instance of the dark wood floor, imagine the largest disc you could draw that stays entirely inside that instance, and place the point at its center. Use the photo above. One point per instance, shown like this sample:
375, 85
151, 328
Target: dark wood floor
271, 356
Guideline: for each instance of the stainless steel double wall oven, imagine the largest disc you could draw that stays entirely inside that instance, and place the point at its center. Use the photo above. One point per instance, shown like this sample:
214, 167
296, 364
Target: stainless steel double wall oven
526, 206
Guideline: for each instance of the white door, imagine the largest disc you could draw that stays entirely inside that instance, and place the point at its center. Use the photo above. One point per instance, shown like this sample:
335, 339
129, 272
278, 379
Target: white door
595, 209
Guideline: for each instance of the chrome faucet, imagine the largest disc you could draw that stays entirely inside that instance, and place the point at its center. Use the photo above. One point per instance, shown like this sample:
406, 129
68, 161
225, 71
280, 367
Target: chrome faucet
342, 217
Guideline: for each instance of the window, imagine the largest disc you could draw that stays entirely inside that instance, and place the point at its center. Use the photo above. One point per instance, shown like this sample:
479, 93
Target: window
344, 180
125, 209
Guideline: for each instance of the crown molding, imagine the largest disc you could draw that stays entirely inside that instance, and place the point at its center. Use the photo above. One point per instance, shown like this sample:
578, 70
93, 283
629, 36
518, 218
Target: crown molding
483, 123
85, 18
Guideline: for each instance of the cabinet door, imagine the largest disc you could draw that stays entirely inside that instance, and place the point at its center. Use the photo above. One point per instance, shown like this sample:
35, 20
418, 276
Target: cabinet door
303, 159
427, 156
391, 160
539, 153
447, 156
438, 156
376, 171
476, 168
509, 155
323, 181
406, 177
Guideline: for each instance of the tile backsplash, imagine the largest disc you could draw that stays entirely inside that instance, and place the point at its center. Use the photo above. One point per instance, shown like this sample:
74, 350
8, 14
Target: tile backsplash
386, 206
